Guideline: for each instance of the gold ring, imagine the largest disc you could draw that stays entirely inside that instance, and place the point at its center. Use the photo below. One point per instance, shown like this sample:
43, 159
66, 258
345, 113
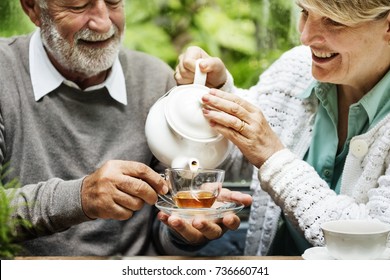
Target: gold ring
242, 126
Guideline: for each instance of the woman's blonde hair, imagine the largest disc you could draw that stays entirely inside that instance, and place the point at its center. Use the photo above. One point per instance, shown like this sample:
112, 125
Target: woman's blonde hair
348, 12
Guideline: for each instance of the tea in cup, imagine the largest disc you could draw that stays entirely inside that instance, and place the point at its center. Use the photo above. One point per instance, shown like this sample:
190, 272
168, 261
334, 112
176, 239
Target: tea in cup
194, 188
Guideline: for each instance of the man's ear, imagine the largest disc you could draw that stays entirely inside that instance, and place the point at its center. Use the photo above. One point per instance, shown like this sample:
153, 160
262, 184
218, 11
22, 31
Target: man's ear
31, 8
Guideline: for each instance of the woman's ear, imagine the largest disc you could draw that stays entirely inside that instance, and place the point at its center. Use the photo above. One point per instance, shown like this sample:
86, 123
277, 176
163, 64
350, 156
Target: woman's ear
388, 21
31, 8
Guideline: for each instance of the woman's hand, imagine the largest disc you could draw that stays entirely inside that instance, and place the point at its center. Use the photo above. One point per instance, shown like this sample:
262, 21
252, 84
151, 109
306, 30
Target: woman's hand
213, 66
243, 124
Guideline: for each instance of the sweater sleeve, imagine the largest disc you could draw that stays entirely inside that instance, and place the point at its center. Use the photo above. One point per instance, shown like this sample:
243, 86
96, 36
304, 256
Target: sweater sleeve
49, 207
308, 201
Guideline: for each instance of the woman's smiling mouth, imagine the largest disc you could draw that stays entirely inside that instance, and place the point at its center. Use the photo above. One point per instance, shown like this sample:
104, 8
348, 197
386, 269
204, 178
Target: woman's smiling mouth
319, 56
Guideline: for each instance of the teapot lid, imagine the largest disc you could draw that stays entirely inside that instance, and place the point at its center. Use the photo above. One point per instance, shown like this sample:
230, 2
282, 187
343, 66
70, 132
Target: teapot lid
183, 112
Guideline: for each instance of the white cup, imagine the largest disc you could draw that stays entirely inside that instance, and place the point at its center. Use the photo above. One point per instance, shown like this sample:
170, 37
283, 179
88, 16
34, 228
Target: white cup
356, 239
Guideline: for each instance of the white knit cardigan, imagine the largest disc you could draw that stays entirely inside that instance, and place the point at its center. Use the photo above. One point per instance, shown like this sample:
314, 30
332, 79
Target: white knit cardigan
286, 181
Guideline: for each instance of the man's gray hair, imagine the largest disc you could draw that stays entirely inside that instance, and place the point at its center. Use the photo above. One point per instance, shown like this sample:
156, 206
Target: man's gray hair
42, 4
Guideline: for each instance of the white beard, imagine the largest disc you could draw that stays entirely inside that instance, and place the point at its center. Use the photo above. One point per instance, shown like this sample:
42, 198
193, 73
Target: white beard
78, 57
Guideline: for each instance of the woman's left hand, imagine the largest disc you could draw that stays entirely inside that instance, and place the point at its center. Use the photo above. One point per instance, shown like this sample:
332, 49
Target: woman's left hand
242, 123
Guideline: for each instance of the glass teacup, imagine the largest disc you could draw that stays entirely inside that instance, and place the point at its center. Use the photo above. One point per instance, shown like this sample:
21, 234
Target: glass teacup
193, 189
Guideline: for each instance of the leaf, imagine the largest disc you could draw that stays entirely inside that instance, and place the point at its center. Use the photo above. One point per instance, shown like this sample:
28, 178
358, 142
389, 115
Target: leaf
151, 39
8, 222
237, 35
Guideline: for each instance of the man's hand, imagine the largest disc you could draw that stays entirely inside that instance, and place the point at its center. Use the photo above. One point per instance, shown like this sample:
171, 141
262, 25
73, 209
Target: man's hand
199, 230
119, 188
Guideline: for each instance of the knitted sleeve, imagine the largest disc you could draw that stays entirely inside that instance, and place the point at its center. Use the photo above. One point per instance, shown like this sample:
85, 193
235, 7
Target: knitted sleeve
308, 201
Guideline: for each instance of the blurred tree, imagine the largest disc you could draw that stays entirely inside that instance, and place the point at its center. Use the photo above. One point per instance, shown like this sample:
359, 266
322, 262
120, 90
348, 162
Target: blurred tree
12, 19
247, 34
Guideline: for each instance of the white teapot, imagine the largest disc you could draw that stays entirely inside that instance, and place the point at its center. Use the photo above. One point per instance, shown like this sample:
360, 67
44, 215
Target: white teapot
178, 134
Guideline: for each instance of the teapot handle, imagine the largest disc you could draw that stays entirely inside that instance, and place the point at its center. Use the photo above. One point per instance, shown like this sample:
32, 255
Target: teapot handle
200, 77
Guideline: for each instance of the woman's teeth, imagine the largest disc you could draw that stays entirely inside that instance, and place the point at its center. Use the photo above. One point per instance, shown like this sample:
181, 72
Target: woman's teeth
323, 54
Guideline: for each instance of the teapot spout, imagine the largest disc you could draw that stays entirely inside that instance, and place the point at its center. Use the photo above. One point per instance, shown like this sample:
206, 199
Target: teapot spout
193, 164
186, 163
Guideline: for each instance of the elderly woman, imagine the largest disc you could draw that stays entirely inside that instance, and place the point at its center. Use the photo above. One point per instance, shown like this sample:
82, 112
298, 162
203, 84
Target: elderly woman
321, 146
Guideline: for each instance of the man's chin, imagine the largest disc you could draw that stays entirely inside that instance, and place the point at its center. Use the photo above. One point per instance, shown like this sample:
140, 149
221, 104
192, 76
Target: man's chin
88, 73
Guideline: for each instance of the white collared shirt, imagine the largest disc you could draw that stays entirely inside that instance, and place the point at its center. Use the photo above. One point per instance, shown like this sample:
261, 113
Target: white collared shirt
45, 77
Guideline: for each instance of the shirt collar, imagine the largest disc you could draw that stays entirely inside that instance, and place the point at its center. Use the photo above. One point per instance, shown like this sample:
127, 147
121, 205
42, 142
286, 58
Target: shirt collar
375, 102
45, 78
315, 88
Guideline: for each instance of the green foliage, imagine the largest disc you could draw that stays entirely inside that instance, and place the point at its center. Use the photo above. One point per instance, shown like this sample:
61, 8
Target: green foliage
8, 224
248, 35
12, 19
7, 248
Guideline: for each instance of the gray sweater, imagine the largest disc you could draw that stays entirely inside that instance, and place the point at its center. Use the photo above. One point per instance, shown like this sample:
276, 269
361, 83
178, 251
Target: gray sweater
50, 145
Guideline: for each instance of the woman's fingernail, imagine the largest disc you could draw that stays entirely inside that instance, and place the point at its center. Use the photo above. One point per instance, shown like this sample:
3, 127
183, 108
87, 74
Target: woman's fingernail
213, 91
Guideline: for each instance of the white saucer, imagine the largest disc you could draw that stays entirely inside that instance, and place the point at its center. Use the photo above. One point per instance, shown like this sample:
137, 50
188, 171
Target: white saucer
218, 210
321, 253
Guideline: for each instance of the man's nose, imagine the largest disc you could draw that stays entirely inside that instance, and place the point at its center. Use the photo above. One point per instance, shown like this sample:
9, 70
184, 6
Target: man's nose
100, 20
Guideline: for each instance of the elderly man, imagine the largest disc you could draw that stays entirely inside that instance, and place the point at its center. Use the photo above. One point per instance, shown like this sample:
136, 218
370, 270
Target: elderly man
72, 109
